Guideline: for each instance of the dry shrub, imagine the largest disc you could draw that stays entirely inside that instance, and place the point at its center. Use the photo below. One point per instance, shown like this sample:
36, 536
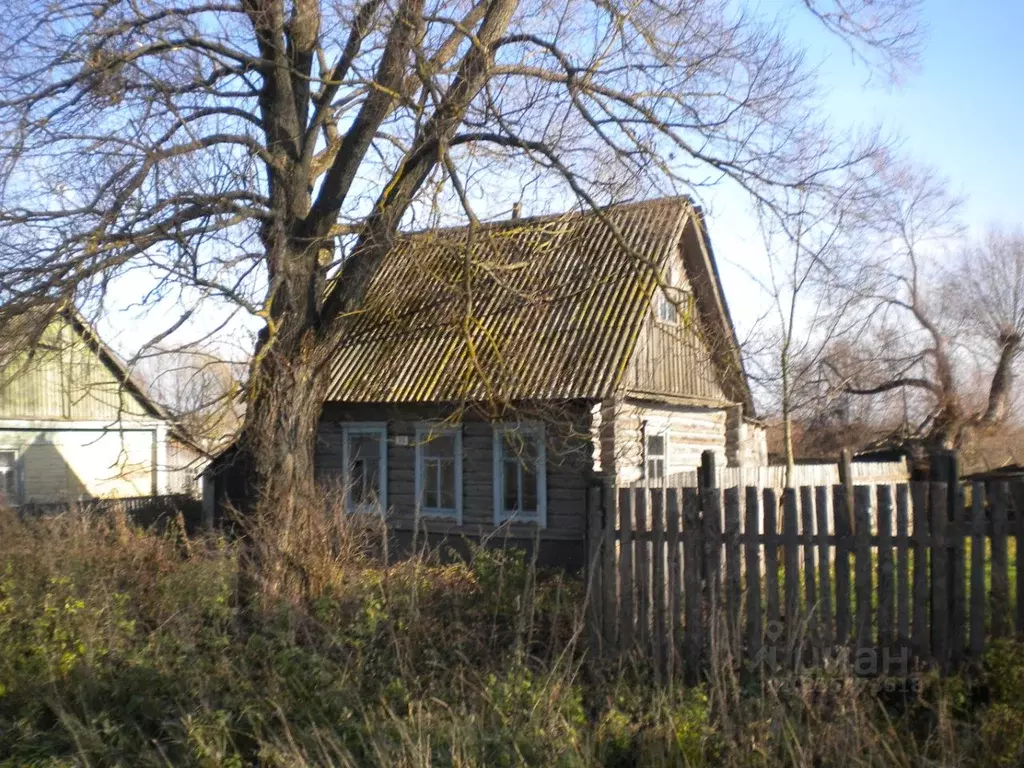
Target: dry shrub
131, 647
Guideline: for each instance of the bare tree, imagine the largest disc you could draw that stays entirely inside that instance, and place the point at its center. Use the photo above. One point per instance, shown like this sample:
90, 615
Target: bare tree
248, 150
201, 390
944, 321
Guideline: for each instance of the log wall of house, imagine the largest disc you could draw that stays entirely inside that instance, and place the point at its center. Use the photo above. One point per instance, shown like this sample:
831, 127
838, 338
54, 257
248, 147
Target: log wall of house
570, 460
691, 431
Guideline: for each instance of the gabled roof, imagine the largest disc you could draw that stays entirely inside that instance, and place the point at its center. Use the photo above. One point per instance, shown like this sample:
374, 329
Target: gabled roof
554, 308
22, 329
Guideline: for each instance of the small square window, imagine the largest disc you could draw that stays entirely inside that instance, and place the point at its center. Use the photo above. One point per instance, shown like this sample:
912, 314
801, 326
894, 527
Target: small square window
655, 454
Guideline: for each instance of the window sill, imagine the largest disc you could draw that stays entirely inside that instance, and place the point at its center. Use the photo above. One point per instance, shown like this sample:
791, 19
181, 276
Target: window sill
440, 514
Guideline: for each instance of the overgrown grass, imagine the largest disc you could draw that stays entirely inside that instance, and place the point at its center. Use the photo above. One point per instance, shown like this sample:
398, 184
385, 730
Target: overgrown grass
120, 646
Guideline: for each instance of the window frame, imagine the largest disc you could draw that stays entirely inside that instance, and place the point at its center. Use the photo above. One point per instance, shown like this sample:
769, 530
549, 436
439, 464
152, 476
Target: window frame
534, 430
380, 429
15, 471
653, 427
424, 432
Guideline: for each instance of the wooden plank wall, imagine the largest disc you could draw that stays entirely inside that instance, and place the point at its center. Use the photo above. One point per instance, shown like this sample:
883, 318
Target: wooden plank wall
917, 574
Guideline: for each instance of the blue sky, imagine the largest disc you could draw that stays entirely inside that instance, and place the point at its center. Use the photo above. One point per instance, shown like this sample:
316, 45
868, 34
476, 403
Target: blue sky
961, 110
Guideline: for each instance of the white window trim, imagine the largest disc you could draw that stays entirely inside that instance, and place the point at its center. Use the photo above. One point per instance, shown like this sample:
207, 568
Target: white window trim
17, 472
426, 431
535, 430
379, 428
653, 425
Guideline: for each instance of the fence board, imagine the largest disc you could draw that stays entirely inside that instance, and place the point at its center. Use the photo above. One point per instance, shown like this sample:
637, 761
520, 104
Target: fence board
921, 639
753, 575
692, 571
955, 536
771, 559
609, 556
824, 566
711, 509
642, 566
791, 565
810, 580
902, 567
1000, 577
680, 572
1016, 493
674, 575
862, 563
939, 573
841, 521
733, 568
885, 567
626, 586
977, 570
658, 557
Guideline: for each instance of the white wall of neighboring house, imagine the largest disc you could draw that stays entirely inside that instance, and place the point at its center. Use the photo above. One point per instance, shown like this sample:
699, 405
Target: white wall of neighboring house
73, 461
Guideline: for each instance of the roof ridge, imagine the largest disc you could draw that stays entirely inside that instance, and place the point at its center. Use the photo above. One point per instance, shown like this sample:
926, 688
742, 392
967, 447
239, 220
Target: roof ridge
493, 224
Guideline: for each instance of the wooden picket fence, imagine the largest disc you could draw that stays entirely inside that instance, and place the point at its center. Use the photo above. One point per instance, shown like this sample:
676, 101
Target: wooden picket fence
681, 575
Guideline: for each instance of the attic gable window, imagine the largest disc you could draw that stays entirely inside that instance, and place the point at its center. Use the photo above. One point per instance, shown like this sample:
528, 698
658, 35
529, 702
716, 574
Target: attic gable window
520, 474
439, 471
666, 308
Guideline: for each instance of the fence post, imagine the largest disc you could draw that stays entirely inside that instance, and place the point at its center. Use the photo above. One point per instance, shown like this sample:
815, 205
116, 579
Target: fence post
919, 626
753, 563
1000, 579
885, 566
791, 570
672, 504
824, 566
846, 480
656, 509
862, 564
841, 521
771, 561
733, 569
693, 565
977, 570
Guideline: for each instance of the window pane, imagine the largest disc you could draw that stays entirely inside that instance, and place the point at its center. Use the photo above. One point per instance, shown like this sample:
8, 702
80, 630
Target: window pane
655, 445
447, 484
655, 469
511, 484
430, 488
667, 311
364, 458
529, 489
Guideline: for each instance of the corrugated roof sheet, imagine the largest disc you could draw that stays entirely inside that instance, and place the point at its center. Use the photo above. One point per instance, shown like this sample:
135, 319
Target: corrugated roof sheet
556, 305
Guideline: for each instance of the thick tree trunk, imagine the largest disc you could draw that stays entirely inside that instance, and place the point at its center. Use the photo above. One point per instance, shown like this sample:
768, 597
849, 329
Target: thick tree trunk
279, 441
286, 395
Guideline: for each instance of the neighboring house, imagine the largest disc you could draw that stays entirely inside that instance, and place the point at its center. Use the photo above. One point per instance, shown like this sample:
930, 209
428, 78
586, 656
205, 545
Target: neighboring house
589, 347
75, 424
